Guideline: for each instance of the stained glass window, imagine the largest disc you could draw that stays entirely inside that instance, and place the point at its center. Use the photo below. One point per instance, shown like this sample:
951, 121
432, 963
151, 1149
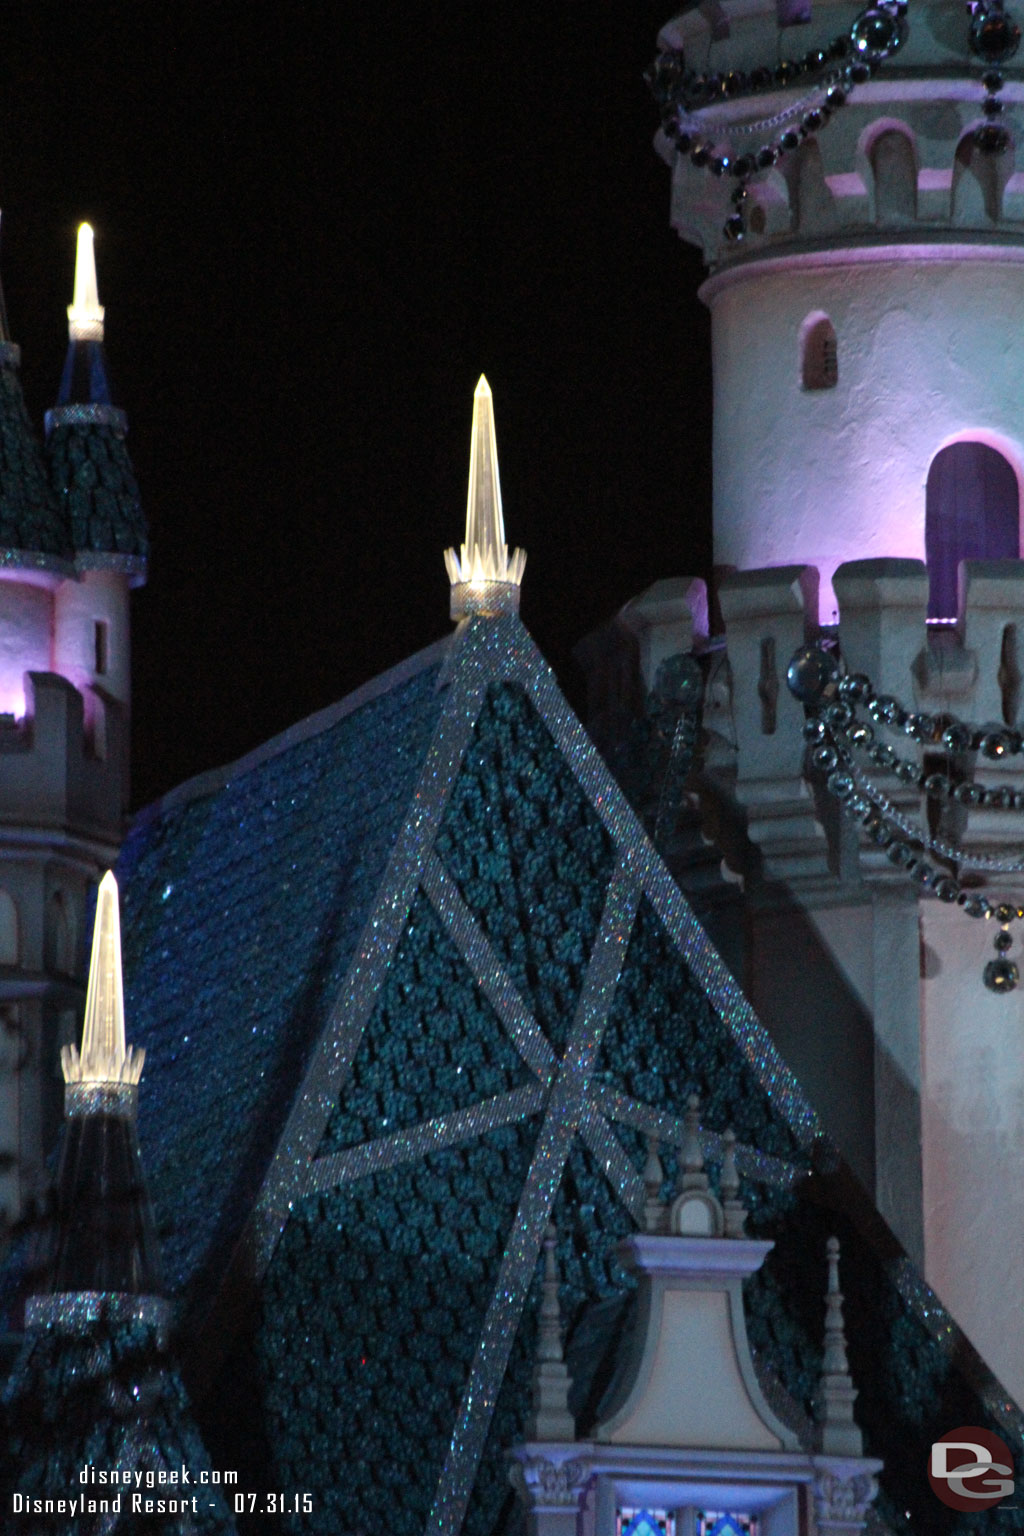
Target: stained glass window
716, 1522
645, 1522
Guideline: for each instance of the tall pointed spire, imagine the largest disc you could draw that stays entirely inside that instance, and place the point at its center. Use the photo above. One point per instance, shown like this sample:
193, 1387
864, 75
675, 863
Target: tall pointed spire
85, 313
485, 579
550, 1419
840, 1435
104, 1057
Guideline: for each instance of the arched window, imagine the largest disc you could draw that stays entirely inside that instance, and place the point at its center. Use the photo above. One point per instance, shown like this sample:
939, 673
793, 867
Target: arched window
819, 358
972, 512
9, 945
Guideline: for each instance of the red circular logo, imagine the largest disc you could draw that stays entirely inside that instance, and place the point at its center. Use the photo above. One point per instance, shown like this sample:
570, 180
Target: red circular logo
970, 1468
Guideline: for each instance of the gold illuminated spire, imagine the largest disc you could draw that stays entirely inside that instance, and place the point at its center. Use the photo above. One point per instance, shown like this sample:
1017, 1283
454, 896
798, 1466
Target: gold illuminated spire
85, 314
104, 1058
485, 579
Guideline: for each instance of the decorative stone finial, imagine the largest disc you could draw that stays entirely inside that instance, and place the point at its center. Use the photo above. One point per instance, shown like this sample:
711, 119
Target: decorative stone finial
732, 1206
694, 1212
655, 1210
85, 314
550, 1419
840, 1436
104, 1058
486, 579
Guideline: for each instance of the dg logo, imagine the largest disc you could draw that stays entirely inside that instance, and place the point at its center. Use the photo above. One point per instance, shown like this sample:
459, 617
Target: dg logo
970, 1468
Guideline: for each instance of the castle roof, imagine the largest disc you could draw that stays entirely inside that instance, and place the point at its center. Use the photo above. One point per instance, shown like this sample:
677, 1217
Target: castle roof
413, 982
32, 531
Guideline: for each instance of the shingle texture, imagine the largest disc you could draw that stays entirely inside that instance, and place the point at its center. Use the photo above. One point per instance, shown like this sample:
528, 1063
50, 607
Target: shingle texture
94, 485
30, 518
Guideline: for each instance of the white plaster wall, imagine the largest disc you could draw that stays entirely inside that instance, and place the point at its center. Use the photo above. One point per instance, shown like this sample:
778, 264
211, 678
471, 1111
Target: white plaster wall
928, 348
99, 597
973, 1136
26, 629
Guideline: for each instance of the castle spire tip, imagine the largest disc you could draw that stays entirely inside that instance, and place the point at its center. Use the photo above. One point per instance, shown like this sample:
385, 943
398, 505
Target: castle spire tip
485, 579
85, 313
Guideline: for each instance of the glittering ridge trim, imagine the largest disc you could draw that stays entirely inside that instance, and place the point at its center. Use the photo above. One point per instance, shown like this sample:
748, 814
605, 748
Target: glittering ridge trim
528, 667
487, 970
88, 415
79, 1311
409, 1145
332, 1056
557, 1134
760, 1166
121, 1100
615, 1165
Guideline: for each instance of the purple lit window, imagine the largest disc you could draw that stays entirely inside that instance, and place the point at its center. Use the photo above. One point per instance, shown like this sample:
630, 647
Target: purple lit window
972, 512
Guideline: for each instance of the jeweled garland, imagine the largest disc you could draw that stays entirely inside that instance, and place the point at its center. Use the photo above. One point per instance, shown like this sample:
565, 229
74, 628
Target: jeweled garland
832, 73
835, 736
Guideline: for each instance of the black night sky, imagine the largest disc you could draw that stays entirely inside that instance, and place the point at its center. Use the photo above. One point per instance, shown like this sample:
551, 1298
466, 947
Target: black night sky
315, 226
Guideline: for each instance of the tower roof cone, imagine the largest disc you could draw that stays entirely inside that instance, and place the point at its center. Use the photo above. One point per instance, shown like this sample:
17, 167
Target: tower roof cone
104, 1057
485, 578
90, 471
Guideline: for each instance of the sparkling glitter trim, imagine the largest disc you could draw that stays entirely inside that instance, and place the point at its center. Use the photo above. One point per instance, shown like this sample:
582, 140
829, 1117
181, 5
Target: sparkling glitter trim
494, 981
407, 1146
614, 1163
759, 1166
79, 1311
86, 416
118, 1099
134, 566
557, 1133
34, 560
486, 598
332, 1059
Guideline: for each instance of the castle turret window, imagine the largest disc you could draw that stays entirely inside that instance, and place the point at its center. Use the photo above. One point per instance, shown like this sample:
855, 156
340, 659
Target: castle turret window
972, 512
819, 364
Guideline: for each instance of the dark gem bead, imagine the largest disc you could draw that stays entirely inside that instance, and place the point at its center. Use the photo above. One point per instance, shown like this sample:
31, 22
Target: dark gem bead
700, 155
813, 121
1001, 975
883, 755
945, 888
683, 142
936, 784
836, 97
841, 785
859, 806
738, 196
745, 166
968, 794
973, 904
991, 139
767, 157
784, 72
900, 855
719, 164
888, 709
824, 758
838, 716
876, 33
840, 48
814, 730
789, 139
920, 871
859, 73
734, 227
882, 834
1001, 798
862, 734
957, 738
993, 35
995, 745
1005, 913
907, 773
992, 106
1004, 941
992, 80
812, 676
855, 687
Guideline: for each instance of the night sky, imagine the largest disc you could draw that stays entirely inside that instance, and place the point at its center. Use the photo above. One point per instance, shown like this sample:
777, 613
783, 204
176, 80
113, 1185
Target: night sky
314, 230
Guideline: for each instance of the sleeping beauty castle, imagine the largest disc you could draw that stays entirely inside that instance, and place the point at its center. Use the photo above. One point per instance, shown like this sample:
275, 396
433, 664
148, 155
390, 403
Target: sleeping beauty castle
473, 1120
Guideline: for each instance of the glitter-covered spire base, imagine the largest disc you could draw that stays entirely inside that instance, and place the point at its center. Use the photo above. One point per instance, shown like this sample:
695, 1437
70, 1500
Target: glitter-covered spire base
104, 1057
485, 578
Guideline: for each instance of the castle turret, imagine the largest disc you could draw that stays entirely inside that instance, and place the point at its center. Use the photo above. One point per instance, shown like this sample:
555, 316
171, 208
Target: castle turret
855, 180
72, 543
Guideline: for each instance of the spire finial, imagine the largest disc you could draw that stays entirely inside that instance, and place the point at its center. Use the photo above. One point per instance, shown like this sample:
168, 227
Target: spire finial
655, 1210
691, 1157
550, 1419
104, 1058
485, 579
840, 1436
85, 313
735, 1211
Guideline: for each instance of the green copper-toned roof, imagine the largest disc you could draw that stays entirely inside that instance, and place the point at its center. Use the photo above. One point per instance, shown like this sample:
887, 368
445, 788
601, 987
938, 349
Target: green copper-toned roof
94, 483
30, 519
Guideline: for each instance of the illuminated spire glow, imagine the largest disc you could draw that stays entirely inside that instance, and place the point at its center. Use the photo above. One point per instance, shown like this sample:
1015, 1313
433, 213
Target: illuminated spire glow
485, 578
104, 1058
85, 314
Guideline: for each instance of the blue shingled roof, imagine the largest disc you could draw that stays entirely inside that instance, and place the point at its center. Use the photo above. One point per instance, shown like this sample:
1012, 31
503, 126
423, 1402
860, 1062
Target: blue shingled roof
30, 519
242, 902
